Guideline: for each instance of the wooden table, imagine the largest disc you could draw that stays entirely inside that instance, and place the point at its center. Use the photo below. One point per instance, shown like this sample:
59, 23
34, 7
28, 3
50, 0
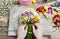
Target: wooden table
3, 33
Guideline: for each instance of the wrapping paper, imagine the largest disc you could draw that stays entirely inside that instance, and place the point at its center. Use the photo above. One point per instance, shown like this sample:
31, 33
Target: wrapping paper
13, 22
16, 10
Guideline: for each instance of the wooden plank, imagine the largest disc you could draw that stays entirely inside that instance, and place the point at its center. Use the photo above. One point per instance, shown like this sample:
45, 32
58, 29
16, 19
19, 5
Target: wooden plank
6, 37
4, 33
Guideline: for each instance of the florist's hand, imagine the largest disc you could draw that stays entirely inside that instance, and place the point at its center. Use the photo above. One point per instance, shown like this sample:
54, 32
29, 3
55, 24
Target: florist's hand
37, 30
22, 31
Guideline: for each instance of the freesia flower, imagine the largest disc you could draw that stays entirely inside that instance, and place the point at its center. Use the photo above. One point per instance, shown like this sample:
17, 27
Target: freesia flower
28, 13
56, 19
35, 19
29, 16
34, 1
41, 9
50, 10
32, 10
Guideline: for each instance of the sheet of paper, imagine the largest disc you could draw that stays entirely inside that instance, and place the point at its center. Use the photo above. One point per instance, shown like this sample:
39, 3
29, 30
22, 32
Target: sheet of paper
13, 21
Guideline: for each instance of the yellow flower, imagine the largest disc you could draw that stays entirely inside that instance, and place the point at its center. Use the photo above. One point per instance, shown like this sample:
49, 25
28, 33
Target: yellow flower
34, 1
58, 14
31, 10
46, 7
35, 19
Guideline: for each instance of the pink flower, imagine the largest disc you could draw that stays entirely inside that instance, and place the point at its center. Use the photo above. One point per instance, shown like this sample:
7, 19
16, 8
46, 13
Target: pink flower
50, 10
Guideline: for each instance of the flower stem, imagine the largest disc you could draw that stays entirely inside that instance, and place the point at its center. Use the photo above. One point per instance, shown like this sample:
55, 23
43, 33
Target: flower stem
30, 31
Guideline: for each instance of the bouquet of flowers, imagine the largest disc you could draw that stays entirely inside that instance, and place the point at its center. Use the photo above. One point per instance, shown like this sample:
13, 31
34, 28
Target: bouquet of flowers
56, 19
29, 17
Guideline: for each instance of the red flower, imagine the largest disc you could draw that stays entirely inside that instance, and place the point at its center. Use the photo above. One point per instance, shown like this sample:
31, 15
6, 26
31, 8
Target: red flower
41, 9
57, 18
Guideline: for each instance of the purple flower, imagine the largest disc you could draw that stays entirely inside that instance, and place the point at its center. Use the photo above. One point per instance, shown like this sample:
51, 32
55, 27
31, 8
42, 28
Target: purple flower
28, 13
